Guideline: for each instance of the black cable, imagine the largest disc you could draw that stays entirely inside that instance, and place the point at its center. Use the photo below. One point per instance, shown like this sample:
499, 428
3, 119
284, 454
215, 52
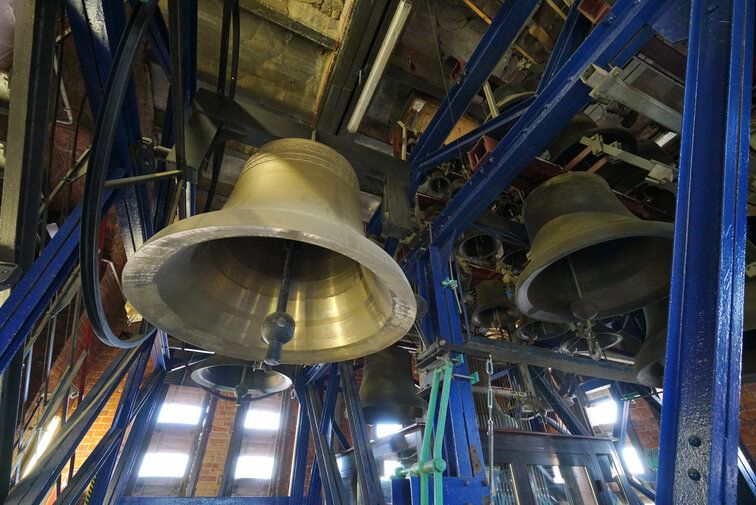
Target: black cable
97, 172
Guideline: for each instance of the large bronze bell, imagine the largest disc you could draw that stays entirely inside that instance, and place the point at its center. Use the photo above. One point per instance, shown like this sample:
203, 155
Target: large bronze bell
222, 373
590, 257
649, 361
212, 279
493, 309
387, 393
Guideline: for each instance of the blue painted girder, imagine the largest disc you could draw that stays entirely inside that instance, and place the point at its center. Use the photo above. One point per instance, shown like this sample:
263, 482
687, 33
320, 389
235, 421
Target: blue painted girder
614, 41
700, 413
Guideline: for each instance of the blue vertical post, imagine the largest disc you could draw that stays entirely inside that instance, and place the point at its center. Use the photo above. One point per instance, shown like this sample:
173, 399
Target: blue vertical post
463, 450
699, 428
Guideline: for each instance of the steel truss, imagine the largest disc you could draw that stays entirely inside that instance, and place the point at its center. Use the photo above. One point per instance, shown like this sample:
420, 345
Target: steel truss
698, 457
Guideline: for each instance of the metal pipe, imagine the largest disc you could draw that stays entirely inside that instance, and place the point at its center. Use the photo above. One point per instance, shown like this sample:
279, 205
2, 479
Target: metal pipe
492, 108
379, 65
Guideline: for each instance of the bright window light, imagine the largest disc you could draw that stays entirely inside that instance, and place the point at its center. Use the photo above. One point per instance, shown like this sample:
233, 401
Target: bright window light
389, 467
44, 441
558, 479
179, 413
259, 419
254, 467
384, 430
633, 462
164, 464
602, 413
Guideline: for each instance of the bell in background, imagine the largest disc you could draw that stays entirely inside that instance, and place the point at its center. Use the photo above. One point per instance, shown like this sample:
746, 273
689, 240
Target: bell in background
212, 279
600, 339
590, 257
649, 361
478, 246
530, 330
493, 309
231, 375
387, 393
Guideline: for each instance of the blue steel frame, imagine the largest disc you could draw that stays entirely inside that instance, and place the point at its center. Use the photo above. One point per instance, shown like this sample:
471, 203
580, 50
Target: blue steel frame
719, 76
698, 454
697, 460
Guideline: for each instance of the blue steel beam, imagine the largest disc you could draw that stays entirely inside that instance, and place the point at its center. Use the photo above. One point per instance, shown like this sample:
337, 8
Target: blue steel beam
104, 450
497, 39
121, 421
551, 395
617, 38
463, 450
700, 413
367, 471
34, 487
494, 127
210, 500
96, 27
33, 293
301, 445
576, 28
127, 460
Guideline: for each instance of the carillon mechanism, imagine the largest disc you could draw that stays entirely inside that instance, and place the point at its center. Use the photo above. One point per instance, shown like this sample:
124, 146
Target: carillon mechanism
283, 273
231, 375
590, 257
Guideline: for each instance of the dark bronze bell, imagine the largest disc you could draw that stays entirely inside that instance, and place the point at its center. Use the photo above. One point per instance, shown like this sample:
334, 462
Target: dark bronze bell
599, 340
478, 246
232, 375
530, 330
388, 392
590, 257
493, 308
649, 361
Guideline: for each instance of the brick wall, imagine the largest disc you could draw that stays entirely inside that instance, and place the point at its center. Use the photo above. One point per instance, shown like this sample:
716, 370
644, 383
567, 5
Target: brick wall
645, 424
748, 415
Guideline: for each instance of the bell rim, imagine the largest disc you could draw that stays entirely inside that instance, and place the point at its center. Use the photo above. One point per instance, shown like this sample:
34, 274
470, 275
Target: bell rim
139, 273
197, 369
613, 229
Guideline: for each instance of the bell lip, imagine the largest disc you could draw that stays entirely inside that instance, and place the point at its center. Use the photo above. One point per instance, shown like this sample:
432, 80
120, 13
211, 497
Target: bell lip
286, 380
139, 272
615, 227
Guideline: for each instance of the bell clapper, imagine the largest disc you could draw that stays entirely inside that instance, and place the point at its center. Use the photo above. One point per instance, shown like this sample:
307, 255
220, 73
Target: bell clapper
240, 391
278, 327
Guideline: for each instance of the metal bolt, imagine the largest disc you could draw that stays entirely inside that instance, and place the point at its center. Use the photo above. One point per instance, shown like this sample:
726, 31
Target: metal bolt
694, 474
712, 8
465, 482
694, 441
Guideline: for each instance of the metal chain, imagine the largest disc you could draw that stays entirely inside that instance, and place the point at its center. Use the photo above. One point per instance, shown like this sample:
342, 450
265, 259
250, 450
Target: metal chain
490, 400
